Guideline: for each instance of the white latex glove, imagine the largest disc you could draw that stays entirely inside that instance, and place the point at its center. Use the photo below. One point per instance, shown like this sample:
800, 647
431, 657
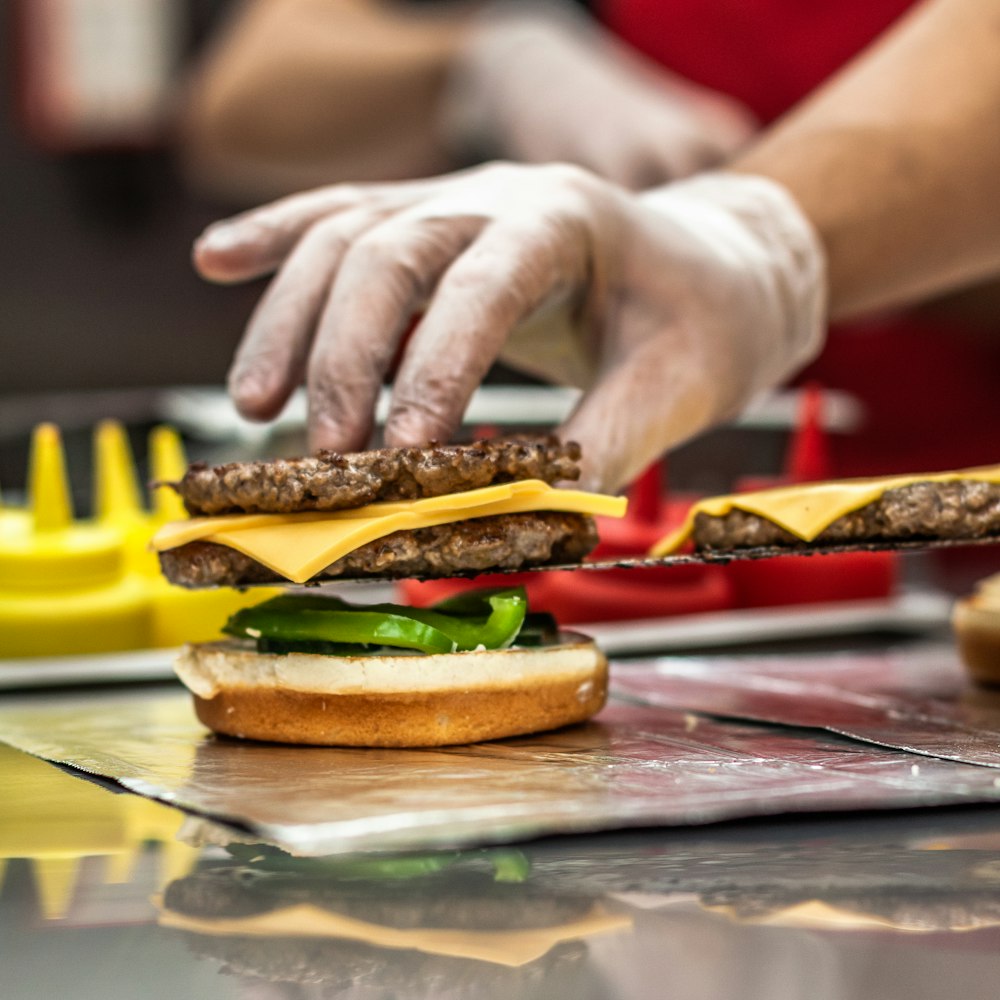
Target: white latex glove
542, 84
685, 302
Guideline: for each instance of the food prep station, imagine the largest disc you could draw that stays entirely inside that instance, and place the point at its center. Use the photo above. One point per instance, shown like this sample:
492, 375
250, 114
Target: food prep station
781, 801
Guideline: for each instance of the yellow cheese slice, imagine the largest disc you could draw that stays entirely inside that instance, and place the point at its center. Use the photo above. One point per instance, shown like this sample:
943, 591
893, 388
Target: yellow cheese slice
298, 546
511, 948
808, 509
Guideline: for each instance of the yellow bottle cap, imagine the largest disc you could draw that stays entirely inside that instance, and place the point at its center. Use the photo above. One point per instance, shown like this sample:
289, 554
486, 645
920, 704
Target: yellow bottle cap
43, 548
167, 463
117, 498
116, 490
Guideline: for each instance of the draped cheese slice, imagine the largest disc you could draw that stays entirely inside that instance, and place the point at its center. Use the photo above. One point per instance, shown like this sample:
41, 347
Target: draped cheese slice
809, 509
298, 546
511, 948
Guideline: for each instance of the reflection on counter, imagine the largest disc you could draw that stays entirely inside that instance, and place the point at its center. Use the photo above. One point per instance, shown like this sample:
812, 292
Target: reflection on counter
391, 922
90, 855
584, 917
758, 911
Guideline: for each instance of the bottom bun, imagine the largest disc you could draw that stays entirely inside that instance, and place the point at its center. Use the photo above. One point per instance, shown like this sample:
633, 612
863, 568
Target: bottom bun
977, 629
394, 701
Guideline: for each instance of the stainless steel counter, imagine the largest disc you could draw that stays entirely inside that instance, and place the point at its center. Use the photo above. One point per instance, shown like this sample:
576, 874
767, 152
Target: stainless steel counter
100, 899
857, 907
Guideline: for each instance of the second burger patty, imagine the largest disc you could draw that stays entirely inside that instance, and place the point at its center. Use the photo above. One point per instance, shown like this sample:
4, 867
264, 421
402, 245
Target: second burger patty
505, 541
332, 481
958, 509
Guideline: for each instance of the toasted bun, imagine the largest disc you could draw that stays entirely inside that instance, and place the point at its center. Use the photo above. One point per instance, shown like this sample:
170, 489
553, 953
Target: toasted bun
394, 701
977, 629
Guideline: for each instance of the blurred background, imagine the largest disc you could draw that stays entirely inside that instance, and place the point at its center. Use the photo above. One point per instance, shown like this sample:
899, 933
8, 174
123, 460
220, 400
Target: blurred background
129, 125
97, 289
119, 143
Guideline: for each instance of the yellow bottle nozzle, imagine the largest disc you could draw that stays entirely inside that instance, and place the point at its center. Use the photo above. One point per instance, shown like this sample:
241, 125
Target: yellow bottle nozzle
167, 463
116, 489
55, 882
48, 488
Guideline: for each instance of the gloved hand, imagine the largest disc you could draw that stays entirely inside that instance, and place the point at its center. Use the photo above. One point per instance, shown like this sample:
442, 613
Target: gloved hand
681, 303
541, 84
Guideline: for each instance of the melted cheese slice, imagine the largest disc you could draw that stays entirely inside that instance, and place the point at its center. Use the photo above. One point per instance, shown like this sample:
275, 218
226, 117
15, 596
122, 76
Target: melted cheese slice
298, 546
511, 948
807, 510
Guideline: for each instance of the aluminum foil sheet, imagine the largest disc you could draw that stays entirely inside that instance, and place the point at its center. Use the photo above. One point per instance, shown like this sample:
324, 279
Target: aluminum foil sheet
634, 766
917, 700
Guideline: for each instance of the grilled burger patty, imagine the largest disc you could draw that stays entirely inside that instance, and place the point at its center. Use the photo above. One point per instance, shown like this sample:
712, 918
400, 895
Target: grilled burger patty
332, 481
231, 891
505, 541
959, 509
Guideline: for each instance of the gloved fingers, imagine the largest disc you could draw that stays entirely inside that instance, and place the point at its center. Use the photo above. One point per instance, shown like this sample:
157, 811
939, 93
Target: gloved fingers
255, 243
384, 278
633, 413
502, 278
655, 157
271, 358
693, 153
638, 154
636, 168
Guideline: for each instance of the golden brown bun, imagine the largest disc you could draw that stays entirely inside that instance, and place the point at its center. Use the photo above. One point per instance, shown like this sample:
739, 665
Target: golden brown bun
404, 701
977, 629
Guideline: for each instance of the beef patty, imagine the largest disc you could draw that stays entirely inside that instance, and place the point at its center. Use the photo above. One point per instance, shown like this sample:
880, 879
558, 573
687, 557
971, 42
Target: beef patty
960, 509
332, 481
504, 541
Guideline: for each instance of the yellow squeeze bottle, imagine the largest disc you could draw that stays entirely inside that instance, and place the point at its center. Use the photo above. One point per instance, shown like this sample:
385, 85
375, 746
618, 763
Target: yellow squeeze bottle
70, 587
181, 615
72, 821
64, 585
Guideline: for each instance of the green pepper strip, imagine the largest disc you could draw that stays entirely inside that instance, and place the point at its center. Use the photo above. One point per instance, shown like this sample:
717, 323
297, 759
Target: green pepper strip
265, 858
510, 865
367, 628
304, 618
495, 629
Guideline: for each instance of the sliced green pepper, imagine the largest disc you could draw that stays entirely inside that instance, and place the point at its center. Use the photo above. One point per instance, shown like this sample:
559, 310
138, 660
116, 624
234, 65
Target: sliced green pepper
263, 857
365, 628
495, 623
303, 622
510, 865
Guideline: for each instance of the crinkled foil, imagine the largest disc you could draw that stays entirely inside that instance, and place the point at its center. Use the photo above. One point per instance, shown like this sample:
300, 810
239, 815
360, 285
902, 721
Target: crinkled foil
634, 766
917, 700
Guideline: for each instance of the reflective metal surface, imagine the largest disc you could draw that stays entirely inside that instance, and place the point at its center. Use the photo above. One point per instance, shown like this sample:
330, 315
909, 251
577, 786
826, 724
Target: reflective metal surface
916, 699
895, 907
634, 766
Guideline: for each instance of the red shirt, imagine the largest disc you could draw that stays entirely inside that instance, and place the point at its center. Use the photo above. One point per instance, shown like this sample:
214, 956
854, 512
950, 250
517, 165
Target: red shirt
932, 393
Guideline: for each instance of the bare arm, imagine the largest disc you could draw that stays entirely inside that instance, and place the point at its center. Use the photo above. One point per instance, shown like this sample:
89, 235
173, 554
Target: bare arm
299, 93
296, 93
897, 160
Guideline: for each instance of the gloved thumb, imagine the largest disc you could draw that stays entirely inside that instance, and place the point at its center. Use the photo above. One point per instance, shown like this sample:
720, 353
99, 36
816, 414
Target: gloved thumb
632, 414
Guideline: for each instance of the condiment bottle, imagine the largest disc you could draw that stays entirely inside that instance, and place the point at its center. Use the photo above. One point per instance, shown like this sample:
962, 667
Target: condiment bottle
65, 585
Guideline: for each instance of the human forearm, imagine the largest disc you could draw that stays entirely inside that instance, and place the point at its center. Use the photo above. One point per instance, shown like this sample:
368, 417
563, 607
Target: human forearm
302, 92
896, 160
